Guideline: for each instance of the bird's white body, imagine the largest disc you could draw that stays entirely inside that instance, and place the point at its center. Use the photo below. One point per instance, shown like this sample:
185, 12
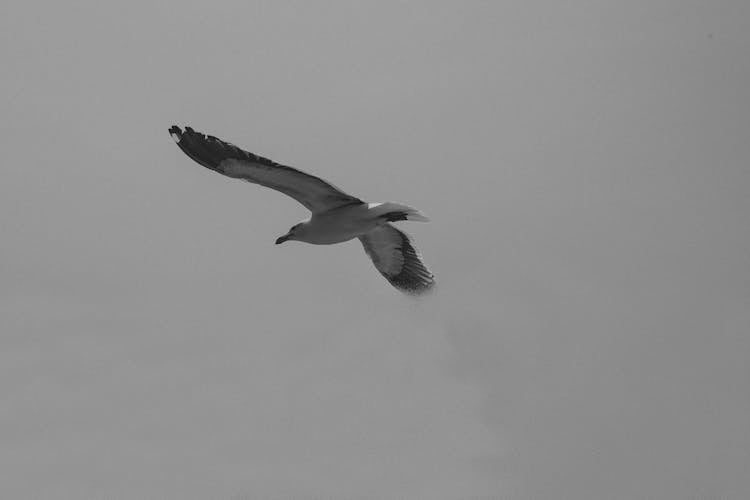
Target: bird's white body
337, 225
349, 222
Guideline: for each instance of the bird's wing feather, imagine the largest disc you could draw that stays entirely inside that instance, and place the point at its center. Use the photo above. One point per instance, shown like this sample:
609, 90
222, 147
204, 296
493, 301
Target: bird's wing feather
313, 192
397, 260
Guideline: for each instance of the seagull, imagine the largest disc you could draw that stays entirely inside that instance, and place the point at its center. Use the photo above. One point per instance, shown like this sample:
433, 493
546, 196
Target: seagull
336, 216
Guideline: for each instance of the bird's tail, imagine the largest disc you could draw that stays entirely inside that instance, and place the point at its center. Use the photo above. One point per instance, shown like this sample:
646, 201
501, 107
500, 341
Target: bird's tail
393, 212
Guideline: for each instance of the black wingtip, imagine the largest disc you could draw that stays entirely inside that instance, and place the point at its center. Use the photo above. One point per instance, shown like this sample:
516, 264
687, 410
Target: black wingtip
176, 133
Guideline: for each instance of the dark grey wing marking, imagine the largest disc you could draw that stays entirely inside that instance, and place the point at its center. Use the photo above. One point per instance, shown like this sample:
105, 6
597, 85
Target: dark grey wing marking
397, 260
313, 192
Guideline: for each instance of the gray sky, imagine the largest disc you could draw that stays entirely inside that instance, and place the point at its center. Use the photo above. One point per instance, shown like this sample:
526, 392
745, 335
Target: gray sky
586, 168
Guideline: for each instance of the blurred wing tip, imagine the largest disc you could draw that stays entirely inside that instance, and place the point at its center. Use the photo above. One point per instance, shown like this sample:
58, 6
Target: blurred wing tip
417, 287
417, 292
175, 133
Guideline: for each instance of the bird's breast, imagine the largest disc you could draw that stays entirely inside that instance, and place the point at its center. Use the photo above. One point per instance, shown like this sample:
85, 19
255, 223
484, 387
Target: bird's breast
327, 229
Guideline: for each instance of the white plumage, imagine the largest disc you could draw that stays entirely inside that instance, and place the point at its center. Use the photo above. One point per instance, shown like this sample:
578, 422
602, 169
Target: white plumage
336, 215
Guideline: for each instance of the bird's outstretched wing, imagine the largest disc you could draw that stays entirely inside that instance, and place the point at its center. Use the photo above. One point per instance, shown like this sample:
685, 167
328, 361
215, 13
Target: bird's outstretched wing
213, 153
394, 256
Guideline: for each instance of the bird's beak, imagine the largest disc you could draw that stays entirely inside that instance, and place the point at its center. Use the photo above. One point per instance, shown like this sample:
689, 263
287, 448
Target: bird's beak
282, 239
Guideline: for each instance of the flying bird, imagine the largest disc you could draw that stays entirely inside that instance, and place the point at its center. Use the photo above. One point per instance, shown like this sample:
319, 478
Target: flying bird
336, 216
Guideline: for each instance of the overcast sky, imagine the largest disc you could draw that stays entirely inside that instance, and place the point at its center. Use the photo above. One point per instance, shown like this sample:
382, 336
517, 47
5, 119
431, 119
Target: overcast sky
586, 167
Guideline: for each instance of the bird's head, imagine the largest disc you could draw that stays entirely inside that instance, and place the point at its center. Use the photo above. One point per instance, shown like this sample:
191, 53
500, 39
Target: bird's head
294, 233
